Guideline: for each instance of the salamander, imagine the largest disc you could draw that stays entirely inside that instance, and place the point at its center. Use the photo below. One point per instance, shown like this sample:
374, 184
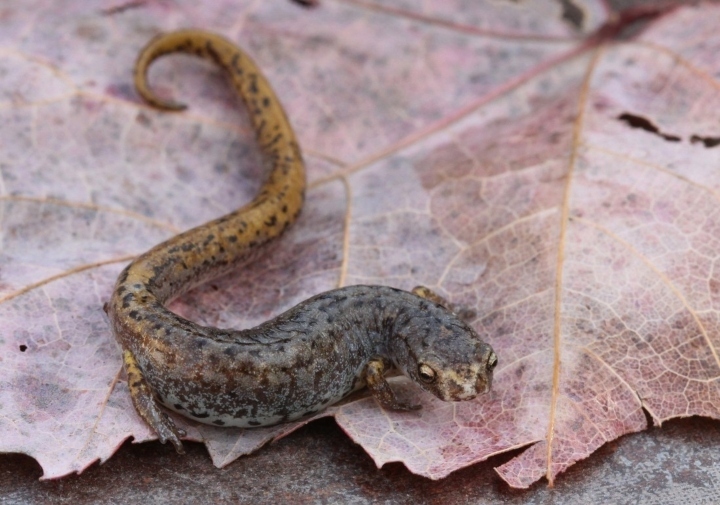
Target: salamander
308, 357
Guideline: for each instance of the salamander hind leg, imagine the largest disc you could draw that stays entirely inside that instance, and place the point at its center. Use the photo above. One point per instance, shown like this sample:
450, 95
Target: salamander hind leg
381, 390
148, 407
464, 313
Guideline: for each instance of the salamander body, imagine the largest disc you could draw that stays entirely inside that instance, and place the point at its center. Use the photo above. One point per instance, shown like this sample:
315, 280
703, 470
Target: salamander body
303, 360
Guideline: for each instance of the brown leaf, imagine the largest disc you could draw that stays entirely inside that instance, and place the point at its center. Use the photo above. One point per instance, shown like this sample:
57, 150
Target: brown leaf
566, 191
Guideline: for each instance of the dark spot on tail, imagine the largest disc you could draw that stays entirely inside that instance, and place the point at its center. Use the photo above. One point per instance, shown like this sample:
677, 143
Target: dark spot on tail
124, 274
210, 49
127, 299
235, 64
253, 83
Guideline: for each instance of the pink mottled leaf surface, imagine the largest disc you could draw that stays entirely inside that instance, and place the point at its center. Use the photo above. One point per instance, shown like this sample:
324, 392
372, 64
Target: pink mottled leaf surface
565, 189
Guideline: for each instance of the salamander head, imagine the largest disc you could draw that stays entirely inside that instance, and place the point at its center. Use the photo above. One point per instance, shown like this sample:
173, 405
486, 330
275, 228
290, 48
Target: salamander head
445, 356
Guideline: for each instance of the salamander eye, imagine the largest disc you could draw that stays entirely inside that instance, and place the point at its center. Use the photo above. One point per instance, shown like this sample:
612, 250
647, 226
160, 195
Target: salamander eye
427, 374
492, 361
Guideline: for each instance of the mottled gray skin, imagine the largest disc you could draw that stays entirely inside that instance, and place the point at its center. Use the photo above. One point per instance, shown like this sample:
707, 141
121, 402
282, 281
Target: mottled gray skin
314, 355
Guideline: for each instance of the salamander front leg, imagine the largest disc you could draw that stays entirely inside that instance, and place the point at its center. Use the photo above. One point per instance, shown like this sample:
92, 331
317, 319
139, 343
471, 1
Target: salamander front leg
464, 313
381, 390
148, 407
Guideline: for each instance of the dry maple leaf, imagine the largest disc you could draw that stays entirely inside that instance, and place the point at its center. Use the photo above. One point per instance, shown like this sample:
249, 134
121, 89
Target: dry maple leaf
568, 191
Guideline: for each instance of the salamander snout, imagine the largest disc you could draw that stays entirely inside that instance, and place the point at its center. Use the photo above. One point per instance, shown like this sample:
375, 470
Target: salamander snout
460, 377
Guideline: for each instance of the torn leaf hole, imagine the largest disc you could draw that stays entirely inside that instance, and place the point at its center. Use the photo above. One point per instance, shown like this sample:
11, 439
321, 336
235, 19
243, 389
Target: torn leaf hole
640, 122
123, 7
648, 416
572, 14
708, 141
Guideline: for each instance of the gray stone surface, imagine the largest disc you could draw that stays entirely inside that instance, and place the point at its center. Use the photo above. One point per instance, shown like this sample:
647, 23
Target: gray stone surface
677, 464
